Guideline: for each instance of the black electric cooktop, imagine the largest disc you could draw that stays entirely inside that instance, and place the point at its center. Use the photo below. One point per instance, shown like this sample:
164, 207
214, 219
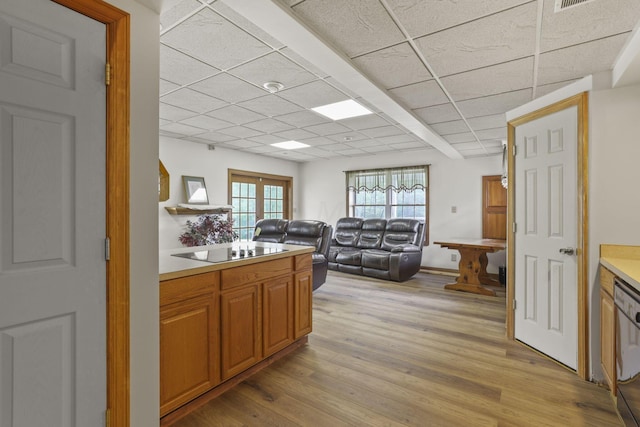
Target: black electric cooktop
229, 254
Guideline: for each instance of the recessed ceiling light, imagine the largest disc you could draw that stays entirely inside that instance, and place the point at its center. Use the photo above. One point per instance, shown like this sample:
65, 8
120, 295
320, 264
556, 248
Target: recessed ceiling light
273, 87
342, 110
290, 145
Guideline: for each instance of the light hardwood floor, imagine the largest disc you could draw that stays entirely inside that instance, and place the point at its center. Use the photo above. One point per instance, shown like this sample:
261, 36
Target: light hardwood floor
408, 354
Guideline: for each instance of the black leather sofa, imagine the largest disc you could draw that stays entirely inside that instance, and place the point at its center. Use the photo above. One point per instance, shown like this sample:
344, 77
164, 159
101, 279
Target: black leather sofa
386, 249
300, 232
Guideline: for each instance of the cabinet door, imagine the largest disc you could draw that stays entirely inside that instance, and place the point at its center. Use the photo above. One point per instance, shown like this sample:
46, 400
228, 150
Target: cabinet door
607, 339
303, 303
241, 336
189, 350
277, 331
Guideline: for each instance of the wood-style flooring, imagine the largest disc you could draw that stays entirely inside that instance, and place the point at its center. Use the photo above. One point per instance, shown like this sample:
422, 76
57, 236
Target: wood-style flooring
408, 354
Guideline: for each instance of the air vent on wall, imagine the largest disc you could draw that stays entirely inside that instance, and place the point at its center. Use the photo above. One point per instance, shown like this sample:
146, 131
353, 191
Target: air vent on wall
566, 4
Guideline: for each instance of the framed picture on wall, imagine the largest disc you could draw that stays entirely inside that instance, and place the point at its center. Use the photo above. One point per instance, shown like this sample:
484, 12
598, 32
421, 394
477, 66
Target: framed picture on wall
195, 190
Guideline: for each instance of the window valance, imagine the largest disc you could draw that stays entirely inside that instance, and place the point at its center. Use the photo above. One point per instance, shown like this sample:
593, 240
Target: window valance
407, 178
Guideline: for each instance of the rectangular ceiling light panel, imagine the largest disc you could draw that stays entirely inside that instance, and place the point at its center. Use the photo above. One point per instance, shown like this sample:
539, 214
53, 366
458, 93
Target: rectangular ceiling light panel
290, 145
342, 110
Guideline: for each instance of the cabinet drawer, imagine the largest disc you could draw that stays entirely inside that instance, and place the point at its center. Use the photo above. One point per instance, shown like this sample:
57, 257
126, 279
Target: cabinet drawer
175, 290
255, 273
303, 262
606, 280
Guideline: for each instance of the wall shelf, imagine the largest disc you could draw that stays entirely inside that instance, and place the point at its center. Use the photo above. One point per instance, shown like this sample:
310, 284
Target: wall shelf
179, 210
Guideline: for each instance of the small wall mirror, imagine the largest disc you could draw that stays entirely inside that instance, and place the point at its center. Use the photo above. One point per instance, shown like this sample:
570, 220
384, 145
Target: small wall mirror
195, 190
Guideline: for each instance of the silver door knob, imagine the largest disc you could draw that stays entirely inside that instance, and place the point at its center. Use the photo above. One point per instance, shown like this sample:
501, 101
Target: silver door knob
567, 251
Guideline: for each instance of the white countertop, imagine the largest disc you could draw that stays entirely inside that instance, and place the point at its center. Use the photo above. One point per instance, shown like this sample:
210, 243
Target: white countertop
171, 267
623, 261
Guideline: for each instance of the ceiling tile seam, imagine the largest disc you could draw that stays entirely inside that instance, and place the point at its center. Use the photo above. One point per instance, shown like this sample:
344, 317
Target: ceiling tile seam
587, 42
488, 66
417, 51
536, 53
474, 19
163, 31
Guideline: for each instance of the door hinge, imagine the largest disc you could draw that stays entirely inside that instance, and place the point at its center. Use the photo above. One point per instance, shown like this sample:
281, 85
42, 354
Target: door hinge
514, 305
107, 74
107, 249
107, 418
515, 227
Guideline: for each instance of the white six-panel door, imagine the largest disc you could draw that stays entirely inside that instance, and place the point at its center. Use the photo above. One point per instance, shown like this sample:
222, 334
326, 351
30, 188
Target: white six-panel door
546, 314
52, 216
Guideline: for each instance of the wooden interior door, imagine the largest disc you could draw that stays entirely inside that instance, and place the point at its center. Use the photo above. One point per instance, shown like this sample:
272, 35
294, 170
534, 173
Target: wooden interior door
494, 208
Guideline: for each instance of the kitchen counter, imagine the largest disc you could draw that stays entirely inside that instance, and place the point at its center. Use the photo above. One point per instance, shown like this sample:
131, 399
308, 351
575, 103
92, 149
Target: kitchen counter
623, 261
173, 267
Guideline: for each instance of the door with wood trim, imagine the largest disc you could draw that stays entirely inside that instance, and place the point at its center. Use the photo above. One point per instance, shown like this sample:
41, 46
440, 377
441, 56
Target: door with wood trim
53, 216
494, 208
546, 303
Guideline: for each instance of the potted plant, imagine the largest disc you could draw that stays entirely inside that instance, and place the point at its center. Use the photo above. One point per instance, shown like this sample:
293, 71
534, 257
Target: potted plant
207, 230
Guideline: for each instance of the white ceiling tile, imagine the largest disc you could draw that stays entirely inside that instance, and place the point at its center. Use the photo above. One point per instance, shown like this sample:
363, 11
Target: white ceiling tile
446, 128
295, 57
327, 129
419, 95
313, 94
494, 104
545, 89
420, 17
497, 133
248, 26
224, 46
364, 122
491, 143
409, 145
270, 106
318, 141
240, 132
273, 67
216, 137
589, 21
351, 136
266, 139
228, 88
178, 12
303, 118
438, 113
179, 68
170, 134
163, 122
236, 115
181, 129
352, 152
206, 122
355, 27
581, 60
488, 122
455, 138
467, 146
365, 144
269, 126
166, 86
295, 134
397, 139
174, 114
501, 78
263, 149
497, 38
240, 143
196, 101
383, 131
393, 67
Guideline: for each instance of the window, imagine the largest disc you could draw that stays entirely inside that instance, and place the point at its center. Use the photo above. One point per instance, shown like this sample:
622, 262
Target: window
389, 193
255, 196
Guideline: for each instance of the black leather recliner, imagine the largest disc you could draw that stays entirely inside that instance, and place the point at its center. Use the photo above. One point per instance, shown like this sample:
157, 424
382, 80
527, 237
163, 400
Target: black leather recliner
300, 232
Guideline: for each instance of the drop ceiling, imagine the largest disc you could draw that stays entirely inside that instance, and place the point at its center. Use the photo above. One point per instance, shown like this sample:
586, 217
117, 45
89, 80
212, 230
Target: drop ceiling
437, 74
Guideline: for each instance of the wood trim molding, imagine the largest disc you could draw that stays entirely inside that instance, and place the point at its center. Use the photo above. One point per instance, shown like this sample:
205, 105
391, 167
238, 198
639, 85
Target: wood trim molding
117, 24
581, 101
288, 179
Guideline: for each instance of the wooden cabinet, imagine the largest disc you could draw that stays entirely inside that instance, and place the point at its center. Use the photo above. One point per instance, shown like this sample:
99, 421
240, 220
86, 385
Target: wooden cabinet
189, 345
215, 326
607, 328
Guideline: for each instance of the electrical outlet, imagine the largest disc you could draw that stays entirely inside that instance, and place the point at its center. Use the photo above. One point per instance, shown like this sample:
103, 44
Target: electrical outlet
454, 209
454, 257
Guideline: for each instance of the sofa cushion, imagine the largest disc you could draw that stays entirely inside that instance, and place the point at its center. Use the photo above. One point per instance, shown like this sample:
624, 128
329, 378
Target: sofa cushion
375, 258
352, 257
347, 231
401, 231
372, 232
270, 230
305, 232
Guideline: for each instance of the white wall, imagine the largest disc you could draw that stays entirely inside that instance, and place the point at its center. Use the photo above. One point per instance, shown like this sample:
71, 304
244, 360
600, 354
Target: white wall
614, 176
193, 159
144, 343
452, 183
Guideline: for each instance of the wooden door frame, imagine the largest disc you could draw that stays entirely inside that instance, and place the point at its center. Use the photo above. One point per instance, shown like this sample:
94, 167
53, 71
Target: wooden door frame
117, 23
581, 101
289, 180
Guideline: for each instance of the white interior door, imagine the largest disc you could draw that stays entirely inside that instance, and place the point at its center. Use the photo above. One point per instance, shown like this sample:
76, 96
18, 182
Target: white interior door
52, 216
546, 314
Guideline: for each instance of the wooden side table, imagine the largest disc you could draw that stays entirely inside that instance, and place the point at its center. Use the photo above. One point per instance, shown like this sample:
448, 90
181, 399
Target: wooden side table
473, 264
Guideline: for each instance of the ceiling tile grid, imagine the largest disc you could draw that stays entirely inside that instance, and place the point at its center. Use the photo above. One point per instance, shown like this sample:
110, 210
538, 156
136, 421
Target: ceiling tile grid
456, 67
